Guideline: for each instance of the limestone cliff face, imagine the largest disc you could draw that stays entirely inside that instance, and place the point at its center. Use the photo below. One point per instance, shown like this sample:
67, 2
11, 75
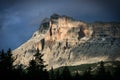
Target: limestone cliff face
64, 41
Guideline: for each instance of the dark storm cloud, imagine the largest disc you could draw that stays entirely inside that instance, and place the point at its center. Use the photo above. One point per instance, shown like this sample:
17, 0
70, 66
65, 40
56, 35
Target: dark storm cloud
20, 18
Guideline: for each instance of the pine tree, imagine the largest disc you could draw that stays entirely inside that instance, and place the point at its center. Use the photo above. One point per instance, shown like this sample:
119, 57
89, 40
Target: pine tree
32, 70
39, 61
2, 65
87, 74
19, 73
9, 59
2, 58
57, 75
66, 75
2, 55
116, 74
6, 62
101, 69
52, 74
36, 69
77, 76
101, 73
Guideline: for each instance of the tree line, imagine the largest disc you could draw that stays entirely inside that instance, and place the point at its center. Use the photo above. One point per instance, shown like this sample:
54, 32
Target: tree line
37, 70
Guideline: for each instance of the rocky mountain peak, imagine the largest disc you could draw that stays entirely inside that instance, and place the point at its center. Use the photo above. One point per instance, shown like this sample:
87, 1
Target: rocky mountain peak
65, 41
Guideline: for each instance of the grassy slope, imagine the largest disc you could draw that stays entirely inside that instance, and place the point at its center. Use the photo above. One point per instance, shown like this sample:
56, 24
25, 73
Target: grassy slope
81, 68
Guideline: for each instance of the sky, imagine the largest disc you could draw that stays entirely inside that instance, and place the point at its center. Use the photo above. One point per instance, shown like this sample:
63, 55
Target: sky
19, 19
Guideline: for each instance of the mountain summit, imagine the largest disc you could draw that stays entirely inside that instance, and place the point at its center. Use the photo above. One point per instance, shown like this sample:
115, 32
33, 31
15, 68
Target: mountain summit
67, 42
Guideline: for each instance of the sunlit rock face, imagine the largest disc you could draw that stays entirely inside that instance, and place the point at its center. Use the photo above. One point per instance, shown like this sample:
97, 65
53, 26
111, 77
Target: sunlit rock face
65, 41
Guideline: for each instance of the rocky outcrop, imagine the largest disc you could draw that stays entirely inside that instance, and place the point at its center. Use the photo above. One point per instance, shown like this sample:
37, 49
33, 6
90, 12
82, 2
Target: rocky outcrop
64, 41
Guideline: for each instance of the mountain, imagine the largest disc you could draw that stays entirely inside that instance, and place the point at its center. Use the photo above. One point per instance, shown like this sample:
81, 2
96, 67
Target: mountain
68, 42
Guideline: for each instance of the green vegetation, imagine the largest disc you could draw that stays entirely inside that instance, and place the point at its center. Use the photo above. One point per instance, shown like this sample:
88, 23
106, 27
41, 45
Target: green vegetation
108, 65
109, 70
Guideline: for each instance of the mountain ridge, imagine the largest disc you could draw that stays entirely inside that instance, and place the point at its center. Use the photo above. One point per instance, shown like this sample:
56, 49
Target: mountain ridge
64, 41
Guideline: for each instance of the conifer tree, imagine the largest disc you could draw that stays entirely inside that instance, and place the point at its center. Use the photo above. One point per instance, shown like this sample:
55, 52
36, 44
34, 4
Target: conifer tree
52, 74
116, 74
57, 75
66, 75
9, 59
77, 76
87, 74
6, 62
36, 69
2, 67
101, 73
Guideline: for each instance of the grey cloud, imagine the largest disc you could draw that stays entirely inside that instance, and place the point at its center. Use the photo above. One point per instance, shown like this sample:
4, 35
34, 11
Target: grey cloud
20, 18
